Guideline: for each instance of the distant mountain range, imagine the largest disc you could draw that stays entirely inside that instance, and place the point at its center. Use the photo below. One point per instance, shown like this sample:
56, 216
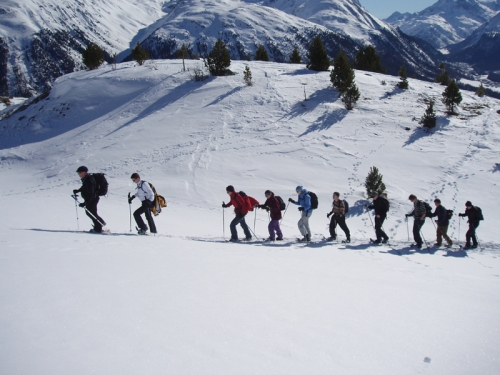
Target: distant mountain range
42, 40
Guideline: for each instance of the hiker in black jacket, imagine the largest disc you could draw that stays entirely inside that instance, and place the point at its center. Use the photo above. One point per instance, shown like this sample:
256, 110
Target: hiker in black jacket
419, 214
473, 214
90, 197
381, 206
442, 223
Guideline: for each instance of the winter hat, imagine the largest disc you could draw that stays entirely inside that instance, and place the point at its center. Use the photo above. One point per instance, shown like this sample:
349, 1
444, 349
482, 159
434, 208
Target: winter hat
82, 169
299, 188
230, 189
268, 192
468, 204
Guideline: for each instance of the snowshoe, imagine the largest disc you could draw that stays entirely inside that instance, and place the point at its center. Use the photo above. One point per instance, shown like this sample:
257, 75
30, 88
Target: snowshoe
347, 241
376, 242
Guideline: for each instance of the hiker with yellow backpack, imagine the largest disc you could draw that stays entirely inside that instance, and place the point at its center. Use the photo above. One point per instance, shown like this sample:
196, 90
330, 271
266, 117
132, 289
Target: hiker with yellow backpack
150, 203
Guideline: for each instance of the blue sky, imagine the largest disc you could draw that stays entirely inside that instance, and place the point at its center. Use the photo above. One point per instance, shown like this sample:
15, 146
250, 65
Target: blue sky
384, 8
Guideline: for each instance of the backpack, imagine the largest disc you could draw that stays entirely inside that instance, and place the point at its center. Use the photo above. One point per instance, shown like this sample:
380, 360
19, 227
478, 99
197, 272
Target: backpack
428, 209
280, 201
479, 213
159, 201
101, 184
346, 206
449, 214
385, 203
249, 201
314, 200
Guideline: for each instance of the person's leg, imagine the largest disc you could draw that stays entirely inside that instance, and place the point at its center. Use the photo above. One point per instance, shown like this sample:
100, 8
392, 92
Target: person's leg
439, 236
149, 218
232, 227
473, 234
444, 232
306, 224
279, 234
96, 220
378, 230
333, 225
469, 235
382, 233
416, 232
274, 226
343, 225
138, 218
244, 225
301, 225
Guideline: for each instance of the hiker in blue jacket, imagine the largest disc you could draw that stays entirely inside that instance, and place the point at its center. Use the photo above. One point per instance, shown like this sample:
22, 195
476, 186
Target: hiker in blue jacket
304, 201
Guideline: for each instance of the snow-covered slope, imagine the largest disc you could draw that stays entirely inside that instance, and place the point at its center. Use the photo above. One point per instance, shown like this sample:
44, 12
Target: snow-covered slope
185, 301
446, 22
41, 40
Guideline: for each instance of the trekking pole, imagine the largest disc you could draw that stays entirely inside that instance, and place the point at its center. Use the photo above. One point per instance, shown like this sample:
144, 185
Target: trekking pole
284, 213
254, 234
426, 243
254, 220
223, 223
370, 216
91, 214
478, 243
407, 229
76, 210
459, 220
130, 211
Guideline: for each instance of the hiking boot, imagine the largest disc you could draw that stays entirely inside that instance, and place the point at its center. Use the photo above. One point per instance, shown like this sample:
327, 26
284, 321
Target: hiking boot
234, 240
437, 244
269, 239
385, 240
279, 239
347, 240
474, 246
93, 230
142, 232
308, 237
248, 239
330, 239
303, 239
467, 246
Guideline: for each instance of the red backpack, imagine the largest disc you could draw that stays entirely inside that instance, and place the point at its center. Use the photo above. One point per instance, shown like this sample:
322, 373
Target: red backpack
250, 201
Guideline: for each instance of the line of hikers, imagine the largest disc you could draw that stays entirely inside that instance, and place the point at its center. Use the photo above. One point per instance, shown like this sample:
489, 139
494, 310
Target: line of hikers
95, 185
308, 201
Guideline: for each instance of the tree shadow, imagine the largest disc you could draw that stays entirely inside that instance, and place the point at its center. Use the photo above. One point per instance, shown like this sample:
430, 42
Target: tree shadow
358, 208
224, 96
176, 94
422, 132
389, 94
326, 121
301, 72
326, 95
496, 168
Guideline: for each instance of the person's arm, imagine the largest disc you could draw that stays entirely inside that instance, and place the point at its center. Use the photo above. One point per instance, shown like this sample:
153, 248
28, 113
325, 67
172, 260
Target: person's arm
307, 202
341, 208
148, 191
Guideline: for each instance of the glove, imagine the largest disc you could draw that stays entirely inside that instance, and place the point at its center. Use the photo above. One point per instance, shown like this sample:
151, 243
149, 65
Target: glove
407, 215
223, 205
131, 199
81, 205
328, 215
76, 191
301, 208
461, 215
291, 200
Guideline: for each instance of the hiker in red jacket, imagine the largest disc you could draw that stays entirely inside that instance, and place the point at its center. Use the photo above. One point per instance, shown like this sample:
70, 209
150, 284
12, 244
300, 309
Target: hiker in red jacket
240, 209
272, 205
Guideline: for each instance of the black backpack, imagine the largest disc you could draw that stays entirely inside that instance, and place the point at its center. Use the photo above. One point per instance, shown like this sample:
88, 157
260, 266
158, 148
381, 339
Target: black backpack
449, 214
428, 209
479, 213
314, 200
280, 201
101, 184
385, 203
346, 206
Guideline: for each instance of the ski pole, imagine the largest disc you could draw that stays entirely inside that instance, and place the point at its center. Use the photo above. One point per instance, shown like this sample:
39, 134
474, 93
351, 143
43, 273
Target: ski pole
91, 214
426, 243
223, 223
254, 234
254, 220
478, 242
371, 220
407, 229
76, 210
130, 211
284, 213
458, 239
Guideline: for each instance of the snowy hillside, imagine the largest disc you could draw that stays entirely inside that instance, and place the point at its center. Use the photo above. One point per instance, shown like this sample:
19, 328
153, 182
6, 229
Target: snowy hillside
187, 302
444, 23
41, 40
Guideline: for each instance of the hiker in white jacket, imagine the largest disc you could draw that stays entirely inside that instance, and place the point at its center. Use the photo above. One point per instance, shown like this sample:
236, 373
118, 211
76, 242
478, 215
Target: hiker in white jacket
147, 197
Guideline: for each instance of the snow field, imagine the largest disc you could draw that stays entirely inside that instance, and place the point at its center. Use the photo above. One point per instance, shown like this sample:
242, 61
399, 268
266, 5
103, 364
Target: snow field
183, 303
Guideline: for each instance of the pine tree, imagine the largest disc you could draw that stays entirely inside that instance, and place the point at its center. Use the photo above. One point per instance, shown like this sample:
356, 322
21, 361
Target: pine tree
218, 60
295, 57
350, 96
403, 83
481, 91
93, 56
452, 97
443, 77
114, 57
247, 76
261, 54
139, 54
318, 58
429, 118
368, 60
342, 75
374, 183
182, 53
